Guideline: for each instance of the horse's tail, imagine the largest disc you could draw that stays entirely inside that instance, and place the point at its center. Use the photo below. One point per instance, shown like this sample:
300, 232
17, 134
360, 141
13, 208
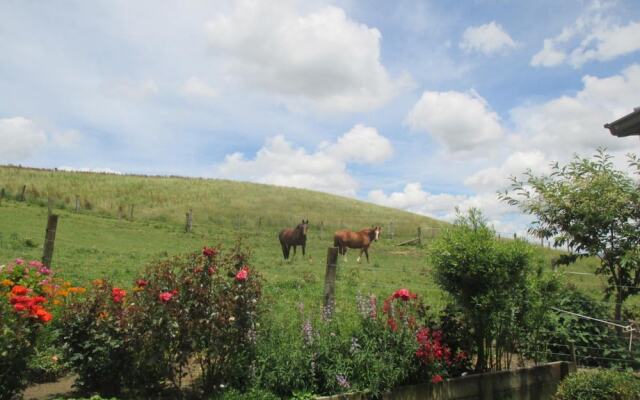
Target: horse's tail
336, 241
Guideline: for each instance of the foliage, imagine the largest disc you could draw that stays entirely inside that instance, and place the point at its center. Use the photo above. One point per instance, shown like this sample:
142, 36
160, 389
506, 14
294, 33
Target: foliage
598, 384
594, 210
487, 278
197, 311
594, 343
26, 298
388, 346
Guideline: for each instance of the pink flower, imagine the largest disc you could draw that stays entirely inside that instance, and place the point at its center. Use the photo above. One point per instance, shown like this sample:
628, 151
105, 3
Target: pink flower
243, 274
19, 261
35, 264
44, 270
166, 296
436, 379
142, 283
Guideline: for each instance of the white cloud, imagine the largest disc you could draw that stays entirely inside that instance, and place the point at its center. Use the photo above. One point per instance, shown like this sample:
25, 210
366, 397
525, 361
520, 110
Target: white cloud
488, 39
278, 162
461, 121
362, 144
67, 139
323, 58
497, 178
442, 205
21, 138
568, 124
592, 37
198, 88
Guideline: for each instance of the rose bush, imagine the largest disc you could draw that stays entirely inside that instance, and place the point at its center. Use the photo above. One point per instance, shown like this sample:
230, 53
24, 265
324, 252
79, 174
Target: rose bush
29, 293
192, 315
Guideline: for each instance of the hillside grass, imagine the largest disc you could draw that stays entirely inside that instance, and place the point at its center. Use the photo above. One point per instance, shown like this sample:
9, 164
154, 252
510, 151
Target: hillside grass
95, 242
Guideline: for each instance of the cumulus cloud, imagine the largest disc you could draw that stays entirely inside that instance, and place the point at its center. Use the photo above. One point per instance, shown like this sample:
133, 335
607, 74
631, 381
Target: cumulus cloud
592, 37
462, 121
279, 162
568, 124
21, 138
487, 39
443, 205
322, 58
497, 177
196, 87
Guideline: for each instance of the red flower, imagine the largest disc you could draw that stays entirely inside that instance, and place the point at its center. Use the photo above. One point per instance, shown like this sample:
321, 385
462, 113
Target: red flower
209, 251
392, 324
118, 294
141, 283
166, 296
19, 290
436, 379
19, 307
211, 270
243, 274
404, 294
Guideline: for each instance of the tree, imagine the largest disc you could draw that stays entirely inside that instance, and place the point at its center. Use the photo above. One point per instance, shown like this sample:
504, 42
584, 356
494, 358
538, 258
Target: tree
594, 210
487, 278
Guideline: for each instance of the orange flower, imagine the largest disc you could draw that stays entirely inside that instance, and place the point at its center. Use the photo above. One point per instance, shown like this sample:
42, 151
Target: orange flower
63, 292
98, 282
103, 315
57, 302
77, 290
67, 284
19, 290
7, 282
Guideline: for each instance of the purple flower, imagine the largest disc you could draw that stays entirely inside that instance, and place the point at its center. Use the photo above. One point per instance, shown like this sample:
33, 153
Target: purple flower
343, 382
307, 333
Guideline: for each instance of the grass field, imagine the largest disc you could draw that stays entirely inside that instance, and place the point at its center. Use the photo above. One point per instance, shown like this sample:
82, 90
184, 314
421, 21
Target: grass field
96, 243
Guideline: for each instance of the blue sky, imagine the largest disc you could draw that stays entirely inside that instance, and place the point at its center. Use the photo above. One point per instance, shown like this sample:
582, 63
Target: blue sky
419, 105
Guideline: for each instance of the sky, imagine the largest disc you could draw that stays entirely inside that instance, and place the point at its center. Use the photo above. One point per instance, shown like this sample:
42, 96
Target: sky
426, 106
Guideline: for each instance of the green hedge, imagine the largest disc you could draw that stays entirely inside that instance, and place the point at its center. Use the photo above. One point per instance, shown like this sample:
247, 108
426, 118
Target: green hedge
599, 384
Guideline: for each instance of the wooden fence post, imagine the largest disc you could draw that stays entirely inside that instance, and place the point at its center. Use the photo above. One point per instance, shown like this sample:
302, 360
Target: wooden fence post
131, 213
515, 236
77, 203
49, 239
120, 212
259, 222
391, 233
23, 193
1, 195
419, 235
329, 302
189, 223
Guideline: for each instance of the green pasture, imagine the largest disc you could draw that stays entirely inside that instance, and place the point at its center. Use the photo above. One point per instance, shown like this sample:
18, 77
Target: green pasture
95, 242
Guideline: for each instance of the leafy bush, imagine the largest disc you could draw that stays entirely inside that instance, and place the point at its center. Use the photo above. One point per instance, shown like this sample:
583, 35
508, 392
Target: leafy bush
595, 343
196, 312
388, 346
599, 384
26, 300
487, 278
253, 394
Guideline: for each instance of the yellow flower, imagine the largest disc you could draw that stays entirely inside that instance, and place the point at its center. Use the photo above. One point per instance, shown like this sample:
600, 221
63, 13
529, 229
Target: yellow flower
7, 282
77, 290
98, 282
67, 284
57, 302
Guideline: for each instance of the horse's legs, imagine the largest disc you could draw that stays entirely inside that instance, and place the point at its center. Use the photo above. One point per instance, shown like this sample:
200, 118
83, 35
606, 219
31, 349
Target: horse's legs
303, 246
294, 251
366, 253
360, 256
344, 253
285, 250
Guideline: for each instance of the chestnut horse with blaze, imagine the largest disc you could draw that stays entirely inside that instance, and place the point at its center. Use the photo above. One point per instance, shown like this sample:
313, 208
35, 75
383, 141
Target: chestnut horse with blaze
356, 240
293, 238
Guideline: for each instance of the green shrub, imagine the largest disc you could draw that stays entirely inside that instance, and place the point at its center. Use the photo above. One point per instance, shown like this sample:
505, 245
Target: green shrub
599, 384
195, 312
253, 394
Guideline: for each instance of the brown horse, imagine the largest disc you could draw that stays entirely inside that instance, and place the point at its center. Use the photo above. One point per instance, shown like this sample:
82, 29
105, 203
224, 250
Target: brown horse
293, 238
356, 240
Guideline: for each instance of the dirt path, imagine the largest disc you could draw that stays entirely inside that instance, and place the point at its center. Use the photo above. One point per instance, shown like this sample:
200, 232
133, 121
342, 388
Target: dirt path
50, 390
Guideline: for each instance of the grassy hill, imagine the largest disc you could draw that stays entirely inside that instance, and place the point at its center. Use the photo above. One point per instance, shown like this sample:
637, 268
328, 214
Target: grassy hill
96, 242
100, 240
